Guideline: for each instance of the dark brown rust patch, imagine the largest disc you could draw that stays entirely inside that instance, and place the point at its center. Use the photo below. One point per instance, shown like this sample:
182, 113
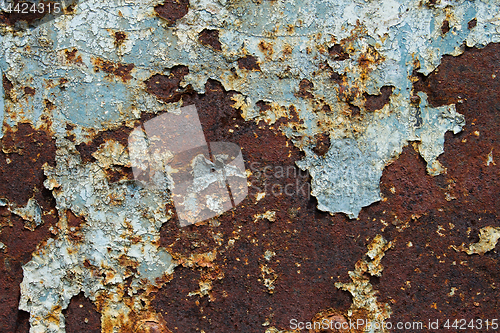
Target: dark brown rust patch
62, 83
166, 87
249, 62
210, 37
29, 91
73, 220
336, 77
377, 102
305, 87
472, 23
263, 106
419, 271
24, 152
82, 316
117, 69
471, 81
117, 173
322, 144
338, 53
87, 149
7, 86
172, 10
120, 37
354, 110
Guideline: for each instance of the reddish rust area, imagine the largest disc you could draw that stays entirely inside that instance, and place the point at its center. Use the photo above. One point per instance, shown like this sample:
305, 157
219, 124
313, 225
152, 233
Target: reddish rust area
82, 316
166, 87
422, 269
117, 69
419, 270
20, 243
117, 173
172, 10
312, 248
73, 220
249, 62
210, 37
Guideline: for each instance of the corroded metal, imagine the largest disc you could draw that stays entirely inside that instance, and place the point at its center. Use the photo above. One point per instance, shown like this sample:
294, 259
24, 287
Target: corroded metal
363, 124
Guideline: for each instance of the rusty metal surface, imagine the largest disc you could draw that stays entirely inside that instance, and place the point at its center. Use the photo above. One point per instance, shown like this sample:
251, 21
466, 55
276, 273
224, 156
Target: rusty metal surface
370, 139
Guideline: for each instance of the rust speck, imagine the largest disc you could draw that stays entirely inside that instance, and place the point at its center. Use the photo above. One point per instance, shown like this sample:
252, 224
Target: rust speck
305, 87
117, 173
354, 110
249, 62
120, 36
71, 56
322, 144
337, 52
117, 69
210, 37
266, 48
445, 27
172, 10
29, 91
472, 23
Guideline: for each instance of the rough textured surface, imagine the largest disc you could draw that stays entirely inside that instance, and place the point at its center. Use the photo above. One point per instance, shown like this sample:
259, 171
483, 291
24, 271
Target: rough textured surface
391, 106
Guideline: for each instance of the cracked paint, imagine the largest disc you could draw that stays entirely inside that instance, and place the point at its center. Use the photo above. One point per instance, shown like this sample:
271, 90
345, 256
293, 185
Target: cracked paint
109, 65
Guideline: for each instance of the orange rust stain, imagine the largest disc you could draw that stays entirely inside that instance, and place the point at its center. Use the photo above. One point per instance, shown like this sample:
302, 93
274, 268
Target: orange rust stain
287, 49
266, 48
72, 57
117, 69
